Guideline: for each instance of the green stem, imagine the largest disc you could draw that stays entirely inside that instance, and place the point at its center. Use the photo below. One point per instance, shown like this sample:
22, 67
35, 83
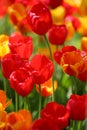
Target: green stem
4, 84
26, 104
16, 101
52, 61
76, 125
74, 85
40, 100
79, 125
48, 47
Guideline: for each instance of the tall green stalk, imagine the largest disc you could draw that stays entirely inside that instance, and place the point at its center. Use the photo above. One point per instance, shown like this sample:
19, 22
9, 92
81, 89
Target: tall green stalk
4, 84
40, 101
50, 51
16, 102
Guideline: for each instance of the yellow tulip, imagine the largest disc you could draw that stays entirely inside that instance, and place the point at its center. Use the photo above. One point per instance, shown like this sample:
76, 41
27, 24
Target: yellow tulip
4, 49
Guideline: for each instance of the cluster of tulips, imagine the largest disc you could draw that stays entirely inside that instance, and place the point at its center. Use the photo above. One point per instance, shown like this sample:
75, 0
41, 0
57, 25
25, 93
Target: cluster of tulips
26, 67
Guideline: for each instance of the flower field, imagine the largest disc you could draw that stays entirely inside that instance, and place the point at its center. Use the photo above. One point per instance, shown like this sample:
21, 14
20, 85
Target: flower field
43, 65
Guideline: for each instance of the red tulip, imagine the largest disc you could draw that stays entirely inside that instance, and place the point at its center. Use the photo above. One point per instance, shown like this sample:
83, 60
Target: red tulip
44, 124
69, 9
53, 3
42, 68
39, 19
77, 105
21, 81
57, 34
56, 113
75, 21
21, 45
9, 63
58, 54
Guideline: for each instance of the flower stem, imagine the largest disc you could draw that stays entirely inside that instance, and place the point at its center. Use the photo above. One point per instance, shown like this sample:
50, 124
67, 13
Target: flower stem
4, 84
26, 104
50, 51
40, 100
48, 47
16, 101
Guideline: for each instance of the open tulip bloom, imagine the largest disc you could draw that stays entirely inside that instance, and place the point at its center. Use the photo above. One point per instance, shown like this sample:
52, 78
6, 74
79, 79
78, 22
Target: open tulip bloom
43, 65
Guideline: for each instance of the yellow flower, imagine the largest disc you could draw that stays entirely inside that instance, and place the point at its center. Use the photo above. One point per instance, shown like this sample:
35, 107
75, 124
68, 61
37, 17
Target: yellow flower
71, 30
57, 16
83, 7
74, 2
4, 49
83, 26
84, 43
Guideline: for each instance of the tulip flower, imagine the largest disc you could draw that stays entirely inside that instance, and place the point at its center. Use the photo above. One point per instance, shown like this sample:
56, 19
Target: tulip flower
10, 63
3, 102
4, 4
83, 26
75, 66
19, 120
84, 43
4, 49
75, 21
42, 68
56, 113
52, 4
58, 17
77, 105
21, 80
39, 19
44, 124
58, 54
21, 45
46, 88
3, 115
57, 34
16, 13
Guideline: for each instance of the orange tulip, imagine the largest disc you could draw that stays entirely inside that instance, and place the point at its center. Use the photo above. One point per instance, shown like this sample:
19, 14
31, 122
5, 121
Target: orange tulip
3, 102
70, 63
3, 115
46, 88
20, 120
17, 14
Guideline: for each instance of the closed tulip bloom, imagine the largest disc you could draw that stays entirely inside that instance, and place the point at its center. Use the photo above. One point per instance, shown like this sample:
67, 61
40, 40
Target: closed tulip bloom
42, 68
58, 54
77, 105
4, 48
19, 120
10, 63
84, 43
46, 88
44, 124
56, 113
57, 34
21, 45
39, 19
21, 81
53, 3
75, 66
